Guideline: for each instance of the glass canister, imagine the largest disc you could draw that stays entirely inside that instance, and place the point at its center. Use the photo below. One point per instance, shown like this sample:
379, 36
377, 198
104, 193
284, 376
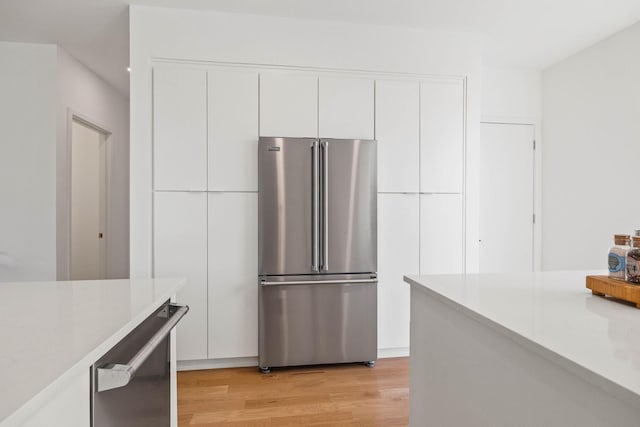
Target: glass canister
618, 256
633, 262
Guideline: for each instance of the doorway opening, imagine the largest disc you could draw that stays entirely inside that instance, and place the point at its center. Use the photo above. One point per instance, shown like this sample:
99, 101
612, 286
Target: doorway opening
88, 201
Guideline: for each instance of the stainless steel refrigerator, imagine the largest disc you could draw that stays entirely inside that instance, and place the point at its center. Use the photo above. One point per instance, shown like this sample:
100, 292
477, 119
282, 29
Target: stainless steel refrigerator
317, 251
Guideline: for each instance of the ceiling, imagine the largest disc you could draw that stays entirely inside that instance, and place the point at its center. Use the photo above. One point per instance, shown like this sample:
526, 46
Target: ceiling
521, 33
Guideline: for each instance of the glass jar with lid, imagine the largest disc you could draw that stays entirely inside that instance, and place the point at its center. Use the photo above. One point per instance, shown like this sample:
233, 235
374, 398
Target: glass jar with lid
618, 256
633, 262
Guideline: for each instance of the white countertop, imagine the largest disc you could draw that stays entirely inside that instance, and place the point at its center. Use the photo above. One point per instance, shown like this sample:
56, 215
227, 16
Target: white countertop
554, 314
52, 331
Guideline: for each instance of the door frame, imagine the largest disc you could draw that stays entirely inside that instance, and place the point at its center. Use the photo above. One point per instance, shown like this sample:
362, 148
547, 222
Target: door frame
537, 177
85, 120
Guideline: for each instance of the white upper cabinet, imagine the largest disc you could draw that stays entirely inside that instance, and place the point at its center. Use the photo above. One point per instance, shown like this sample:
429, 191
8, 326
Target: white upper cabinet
398, 255
288, 104
398, 135
180, 250
233, 130
441, 234
179, 128
346, 108
233, 275
441, 136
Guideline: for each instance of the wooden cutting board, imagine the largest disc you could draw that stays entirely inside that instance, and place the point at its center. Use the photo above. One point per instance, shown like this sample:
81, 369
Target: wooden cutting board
603, 285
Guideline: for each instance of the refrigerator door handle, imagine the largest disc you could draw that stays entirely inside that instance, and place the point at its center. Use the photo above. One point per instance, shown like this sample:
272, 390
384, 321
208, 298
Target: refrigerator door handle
318, 282
325, 206
315, 196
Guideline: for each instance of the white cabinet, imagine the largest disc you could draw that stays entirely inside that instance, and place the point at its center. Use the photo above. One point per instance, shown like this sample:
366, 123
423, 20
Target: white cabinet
206, 122
346, 108
300, 105
398, 134
288, 104
233, 130
441, 234
233, 275
180, 250
179, 128
441, 136
398, 255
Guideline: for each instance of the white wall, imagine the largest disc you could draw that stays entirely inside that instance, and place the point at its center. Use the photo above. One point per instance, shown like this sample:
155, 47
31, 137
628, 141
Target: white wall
27, 162
158, 33
82, 92
514, 95
591, 107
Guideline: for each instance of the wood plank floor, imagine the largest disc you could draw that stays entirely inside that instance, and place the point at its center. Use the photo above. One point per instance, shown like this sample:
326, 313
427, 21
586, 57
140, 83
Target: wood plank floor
338, 395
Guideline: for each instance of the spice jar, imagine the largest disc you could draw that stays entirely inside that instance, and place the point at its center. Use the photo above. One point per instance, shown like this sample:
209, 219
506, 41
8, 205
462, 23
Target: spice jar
633, 262
618, 256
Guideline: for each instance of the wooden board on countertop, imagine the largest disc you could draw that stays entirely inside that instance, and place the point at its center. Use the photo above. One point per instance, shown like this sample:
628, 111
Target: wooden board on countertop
603, 285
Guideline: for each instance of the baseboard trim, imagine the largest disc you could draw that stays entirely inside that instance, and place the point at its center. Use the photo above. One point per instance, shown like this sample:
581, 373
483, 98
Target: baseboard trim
384, 353
230, 362
243, 362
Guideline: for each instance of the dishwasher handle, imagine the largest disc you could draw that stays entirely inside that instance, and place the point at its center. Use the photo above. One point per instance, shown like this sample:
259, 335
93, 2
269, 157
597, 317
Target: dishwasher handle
118, 375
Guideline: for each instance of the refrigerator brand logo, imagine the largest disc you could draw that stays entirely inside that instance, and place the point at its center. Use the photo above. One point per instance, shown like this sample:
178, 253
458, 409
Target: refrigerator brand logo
274, 149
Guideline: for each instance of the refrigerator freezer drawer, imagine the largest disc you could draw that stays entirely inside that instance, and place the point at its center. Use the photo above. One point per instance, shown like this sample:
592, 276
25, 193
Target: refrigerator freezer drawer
318, 323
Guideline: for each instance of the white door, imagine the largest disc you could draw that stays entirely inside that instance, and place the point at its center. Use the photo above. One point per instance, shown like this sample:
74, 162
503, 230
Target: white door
398, 134
398, 255
180, 250
88, 202
288, 104
441, 136
441, 234
506, 197
233, 275
179, 128
345, 108
233, 130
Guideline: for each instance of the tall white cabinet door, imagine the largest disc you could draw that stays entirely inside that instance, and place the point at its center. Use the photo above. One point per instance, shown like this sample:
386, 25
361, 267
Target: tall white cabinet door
441, 137
288, 104
441, 234
346, 108
398, 255
233, 130
180, 250
233, 275
398, 135
179, 128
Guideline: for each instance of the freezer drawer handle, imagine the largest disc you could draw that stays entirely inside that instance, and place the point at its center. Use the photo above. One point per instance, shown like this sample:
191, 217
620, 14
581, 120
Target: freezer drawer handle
318, 282
117, 375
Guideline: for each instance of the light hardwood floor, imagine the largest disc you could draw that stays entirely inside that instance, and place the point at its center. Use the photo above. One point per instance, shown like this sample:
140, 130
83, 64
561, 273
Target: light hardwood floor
338, 395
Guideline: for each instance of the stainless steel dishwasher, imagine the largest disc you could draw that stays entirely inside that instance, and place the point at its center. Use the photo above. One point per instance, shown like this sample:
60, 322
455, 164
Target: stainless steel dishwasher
131, 383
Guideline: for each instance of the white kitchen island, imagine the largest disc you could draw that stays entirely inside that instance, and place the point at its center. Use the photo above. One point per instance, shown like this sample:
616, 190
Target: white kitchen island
531, 349
52, 332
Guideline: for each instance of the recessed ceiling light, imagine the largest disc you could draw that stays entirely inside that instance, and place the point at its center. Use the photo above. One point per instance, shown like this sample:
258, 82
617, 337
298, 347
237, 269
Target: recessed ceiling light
129, 69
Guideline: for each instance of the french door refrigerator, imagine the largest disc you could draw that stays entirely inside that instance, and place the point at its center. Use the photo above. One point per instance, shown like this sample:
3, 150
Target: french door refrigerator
317, 251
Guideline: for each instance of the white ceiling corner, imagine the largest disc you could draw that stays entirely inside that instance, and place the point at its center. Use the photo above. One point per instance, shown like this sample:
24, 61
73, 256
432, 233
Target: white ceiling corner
520, 33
